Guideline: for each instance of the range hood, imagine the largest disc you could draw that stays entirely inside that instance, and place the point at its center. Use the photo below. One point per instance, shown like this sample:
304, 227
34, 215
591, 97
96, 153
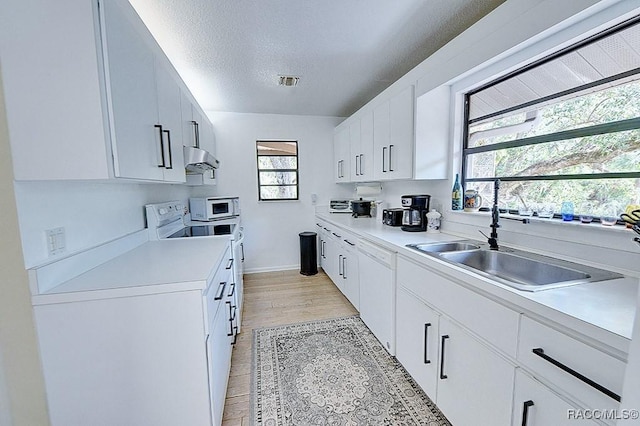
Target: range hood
198, 160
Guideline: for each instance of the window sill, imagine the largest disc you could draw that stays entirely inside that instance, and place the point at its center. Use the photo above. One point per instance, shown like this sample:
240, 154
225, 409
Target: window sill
596, 226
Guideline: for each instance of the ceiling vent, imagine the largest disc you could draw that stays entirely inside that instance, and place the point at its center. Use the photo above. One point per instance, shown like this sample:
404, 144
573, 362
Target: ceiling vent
288, 80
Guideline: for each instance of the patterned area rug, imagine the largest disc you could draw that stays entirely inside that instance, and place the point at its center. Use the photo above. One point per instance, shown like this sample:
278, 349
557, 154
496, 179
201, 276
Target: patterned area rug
332, 372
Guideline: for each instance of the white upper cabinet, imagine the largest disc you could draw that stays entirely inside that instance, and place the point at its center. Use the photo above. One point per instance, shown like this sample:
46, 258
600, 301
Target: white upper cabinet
132, 93
197, 130
381, 138
341, 154
361, 136
401, 133
97, 114
432, 134
170, 120
393, 136
355, 145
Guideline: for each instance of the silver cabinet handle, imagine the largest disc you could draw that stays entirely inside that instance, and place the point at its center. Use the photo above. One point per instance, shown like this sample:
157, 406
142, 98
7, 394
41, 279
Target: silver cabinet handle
340, 264
344, 267
196, 133
390, 164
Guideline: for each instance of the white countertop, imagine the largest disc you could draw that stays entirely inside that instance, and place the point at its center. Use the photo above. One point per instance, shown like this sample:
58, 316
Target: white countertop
602, 310
153, 267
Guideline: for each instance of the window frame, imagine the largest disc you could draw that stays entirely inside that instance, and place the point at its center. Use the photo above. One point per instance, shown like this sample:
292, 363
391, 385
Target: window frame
296, 170
611, 127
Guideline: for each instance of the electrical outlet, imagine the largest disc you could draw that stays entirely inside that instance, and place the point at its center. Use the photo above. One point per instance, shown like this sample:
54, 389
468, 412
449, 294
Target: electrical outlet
56, 241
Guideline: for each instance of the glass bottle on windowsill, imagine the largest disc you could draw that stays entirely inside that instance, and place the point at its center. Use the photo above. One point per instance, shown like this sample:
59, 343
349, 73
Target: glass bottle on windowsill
456, 195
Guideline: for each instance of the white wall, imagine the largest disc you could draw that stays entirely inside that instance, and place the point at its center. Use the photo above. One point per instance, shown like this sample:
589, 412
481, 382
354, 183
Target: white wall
91, 212
21, 381
272, 227
5, 409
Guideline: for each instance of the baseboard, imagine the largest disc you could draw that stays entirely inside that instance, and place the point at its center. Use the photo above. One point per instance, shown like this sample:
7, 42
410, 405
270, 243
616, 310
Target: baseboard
271, 269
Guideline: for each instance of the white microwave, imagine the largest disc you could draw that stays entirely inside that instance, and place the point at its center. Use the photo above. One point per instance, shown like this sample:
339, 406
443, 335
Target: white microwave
214, 208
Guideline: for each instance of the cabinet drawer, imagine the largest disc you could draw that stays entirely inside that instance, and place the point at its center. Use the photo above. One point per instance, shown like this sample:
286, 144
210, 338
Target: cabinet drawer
490, 320
219, 287
561, 352
534, 404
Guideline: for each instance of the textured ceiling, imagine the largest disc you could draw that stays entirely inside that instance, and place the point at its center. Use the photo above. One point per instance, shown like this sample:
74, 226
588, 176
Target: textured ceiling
230, 52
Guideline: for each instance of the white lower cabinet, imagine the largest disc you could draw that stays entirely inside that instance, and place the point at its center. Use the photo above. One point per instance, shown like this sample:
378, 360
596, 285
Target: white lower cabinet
417, 340
339, 260
534, 404
329, 256
125, 360
475, 384
582, 372
377, 292
219, 358
469, 382
350, 271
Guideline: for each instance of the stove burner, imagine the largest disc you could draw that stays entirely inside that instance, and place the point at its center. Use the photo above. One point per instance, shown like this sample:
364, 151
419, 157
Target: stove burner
203, 231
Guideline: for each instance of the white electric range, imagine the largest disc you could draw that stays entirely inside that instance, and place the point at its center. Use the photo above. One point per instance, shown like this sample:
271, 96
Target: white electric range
170, 220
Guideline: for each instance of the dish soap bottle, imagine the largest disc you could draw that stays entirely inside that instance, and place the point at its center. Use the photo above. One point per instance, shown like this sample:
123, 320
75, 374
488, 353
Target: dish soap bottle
433, 222
456, 195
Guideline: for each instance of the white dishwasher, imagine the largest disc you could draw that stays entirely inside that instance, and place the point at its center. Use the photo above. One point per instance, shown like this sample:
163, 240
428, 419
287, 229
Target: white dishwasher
377, 292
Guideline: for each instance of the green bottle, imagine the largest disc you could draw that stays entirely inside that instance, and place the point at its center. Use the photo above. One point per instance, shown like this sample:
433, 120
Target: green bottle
456, 195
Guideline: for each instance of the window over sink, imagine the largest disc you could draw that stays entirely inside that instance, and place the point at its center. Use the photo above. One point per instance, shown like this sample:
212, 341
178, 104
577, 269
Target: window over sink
277, 170
564, 128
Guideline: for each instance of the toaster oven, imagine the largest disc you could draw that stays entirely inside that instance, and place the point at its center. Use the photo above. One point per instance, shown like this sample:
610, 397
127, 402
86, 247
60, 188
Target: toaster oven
340, 206
392, 217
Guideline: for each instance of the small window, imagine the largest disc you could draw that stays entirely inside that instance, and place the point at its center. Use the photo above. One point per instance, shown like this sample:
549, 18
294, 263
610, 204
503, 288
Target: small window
277, 170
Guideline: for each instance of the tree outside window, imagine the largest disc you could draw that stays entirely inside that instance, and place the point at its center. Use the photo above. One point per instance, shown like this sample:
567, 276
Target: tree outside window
277, 170
564, 129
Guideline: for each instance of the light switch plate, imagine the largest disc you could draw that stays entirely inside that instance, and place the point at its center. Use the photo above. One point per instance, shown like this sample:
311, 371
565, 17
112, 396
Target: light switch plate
56, 241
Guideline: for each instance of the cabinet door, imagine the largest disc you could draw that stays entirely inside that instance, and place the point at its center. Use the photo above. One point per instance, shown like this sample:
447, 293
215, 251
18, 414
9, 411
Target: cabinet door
188, 125
329, 261
341, 164
133, 98
381, 129
365, 162
475, 385
377, 295
432, 134
350, 275
170, 118
354, 150
400, 153
417, 340
219, 351
534, 404
207, 136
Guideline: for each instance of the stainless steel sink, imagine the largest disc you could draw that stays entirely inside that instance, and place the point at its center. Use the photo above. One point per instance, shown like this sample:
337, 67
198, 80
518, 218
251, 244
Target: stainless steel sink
515, 268
444, 247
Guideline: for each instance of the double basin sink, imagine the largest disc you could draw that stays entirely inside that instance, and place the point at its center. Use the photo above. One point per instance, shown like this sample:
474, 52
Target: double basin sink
516, 268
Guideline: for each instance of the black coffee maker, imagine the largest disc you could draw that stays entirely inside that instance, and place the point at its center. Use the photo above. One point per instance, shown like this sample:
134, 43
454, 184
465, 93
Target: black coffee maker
414, 216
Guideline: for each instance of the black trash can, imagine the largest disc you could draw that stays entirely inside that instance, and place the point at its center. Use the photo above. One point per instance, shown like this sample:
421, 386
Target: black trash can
308, 253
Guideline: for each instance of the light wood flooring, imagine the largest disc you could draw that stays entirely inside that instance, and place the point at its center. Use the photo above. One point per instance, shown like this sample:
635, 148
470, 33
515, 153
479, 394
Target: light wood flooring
276, 298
